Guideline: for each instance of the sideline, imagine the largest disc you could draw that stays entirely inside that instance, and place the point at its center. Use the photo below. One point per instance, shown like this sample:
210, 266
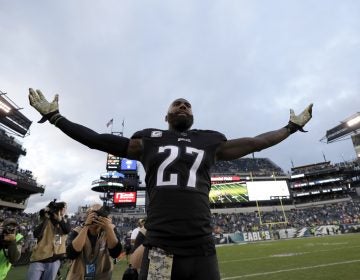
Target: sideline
287, 270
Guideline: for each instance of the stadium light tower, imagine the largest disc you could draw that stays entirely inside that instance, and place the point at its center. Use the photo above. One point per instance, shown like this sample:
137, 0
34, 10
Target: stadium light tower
354, 121
346, 128
11, 118
4, 107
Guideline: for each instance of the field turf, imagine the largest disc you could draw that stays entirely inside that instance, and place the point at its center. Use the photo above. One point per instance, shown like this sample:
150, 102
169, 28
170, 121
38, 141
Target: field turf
314, 258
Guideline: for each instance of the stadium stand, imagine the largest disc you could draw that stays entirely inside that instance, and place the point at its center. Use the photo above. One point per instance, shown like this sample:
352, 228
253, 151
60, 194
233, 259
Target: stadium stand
317, 183
324, 181
245, 166
16, 184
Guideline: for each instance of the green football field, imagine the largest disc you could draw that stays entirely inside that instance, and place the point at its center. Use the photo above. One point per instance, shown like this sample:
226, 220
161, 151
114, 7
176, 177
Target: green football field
325, 258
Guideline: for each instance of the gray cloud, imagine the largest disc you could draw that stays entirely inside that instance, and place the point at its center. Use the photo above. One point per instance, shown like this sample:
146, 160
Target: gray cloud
243, 65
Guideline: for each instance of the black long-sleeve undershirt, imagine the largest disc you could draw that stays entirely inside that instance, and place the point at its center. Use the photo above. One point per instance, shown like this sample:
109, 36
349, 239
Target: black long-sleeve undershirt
109, 143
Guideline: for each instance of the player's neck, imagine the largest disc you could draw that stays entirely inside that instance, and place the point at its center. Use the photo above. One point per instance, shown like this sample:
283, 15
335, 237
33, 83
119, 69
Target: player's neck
177, 129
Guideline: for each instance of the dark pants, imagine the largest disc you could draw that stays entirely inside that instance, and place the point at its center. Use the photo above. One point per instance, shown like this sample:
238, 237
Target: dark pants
187, 267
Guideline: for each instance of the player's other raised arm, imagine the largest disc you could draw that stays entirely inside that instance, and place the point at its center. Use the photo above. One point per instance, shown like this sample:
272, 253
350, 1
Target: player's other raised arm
236, 148
113, 144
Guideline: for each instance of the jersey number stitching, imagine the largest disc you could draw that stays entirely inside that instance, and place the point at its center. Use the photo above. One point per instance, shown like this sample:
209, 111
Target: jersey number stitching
174, 154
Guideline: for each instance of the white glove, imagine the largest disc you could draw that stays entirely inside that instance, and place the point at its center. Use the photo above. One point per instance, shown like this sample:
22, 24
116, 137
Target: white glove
301, 119
44, 107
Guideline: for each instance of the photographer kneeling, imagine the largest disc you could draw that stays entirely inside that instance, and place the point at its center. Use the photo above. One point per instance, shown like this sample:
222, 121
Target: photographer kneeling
10, 246
51, 236
93, 246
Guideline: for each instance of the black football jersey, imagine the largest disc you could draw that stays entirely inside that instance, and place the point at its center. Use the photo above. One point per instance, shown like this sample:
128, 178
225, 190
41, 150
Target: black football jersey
178, 182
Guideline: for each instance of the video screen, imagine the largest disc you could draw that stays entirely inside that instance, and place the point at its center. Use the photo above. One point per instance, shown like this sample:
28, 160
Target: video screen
267, 190
128, 164
113, 162
125, 198
229, 193
249, 191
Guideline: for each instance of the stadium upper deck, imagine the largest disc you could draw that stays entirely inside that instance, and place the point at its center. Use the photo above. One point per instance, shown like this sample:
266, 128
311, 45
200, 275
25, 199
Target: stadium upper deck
325, 181
247, 166
314, 183
16, 184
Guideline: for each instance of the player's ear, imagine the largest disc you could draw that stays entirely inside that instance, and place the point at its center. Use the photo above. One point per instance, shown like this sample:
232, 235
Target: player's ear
166, 118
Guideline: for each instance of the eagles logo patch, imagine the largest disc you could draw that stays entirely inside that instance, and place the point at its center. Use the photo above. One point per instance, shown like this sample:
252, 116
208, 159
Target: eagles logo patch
156, 133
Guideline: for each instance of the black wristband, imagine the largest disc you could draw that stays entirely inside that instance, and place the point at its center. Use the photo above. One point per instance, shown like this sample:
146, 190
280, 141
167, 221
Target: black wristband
293, 127
48, 116
55, 118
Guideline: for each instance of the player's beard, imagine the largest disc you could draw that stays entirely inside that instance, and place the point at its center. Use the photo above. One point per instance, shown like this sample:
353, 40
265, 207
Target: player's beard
180, 122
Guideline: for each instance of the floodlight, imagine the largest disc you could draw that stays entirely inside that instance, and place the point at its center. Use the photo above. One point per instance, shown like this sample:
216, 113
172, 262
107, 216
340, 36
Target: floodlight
4, 107
345, 128
353, 121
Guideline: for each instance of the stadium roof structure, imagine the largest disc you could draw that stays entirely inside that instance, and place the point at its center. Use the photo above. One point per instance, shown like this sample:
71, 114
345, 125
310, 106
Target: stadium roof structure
346, 127
11, 118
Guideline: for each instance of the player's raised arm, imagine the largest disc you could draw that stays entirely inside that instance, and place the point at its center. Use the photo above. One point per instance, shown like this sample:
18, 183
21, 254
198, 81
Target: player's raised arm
113, 144
236, 148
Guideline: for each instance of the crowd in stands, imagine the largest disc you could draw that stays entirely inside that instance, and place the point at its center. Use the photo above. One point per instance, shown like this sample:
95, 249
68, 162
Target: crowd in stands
312, 167
9, 139
355, 165
258, 166
9, 167
10, 170
320, 198
324, 181
330, 214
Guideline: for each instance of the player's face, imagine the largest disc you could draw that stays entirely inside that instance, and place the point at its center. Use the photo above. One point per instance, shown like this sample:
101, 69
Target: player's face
180, 116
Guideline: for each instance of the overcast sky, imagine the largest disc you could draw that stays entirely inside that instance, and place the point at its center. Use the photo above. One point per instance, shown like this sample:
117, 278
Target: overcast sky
242, 65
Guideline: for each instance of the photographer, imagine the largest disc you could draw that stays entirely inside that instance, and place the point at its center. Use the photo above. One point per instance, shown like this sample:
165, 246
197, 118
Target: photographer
10, 246
92, 246
51, 235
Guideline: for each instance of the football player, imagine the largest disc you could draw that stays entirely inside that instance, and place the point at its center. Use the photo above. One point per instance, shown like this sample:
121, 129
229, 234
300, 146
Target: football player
177, 160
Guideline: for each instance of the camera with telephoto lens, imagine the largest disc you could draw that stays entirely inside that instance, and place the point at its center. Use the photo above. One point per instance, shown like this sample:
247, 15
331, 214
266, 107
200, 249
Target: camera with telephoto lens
54, 207
102, 212
9, 229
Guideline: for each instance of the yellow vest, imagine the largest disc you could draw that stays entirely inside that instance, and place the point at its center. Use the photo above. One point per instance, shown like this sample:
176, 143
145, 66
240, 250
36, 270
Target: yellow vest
5, 265
47, 247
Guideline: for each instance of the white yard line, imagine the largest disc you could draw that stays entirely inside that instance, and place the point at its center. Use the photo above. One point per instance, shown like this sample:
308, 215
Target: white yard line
294, 254
288, 270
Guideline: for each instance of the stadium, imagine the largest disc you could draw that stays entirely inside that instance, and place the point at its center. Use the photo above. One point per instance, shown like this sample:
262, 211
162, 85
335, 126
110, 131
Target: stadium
267, 224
